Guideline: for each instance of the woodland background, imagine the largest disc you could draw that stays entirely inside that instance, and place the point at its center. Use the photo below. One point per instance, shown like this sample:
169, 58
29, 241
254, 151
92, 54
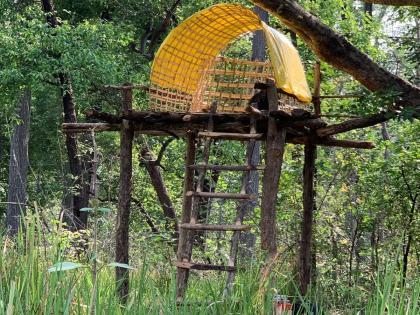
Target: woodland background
366, 231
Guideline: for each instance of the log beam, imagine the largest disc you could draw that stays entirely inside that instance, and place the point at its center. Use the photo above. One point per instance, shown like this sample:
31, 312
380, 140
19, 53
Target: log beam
332, 142
355, 123
103, 116
326, 141
153, 122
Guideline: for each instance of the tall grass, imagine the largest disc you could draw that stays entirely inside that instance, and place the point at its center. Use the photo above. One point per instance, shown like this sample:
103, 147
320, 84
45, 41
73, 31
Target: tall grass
26, 287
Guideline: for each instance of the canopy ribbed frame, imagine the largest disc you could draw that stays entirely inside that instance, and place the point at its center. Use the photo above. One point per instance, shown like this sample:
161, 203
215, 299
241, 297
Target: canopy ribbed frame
187, 74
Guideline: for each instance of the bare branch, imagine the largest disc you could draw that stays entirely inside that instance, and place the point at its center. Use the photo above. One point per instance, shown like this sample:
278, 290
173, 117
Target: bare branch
156, 34
414, 3
339, 52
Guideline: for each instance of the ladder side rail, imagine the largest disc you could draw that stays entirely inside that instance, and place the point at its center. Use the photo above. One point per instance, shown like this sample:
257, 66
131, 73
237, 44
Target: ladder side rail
185, 238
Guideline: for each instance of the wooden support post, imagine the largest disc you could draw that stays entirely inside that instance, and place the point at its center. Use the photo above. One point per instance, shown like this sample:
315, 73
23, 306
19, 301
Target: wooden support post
307, 220
185, 238
124, 198
317, 89
275, 145
307, 255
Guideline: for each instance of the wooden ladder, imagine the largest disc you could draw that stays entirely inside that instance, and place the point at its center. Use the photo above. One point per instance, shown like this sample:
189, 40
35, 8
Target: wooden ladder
192, 197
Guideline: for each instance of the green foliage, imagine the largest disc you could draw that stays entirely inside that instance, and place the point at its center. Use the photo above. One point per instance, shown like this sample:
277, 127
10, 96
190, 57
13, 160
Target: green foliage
64, 266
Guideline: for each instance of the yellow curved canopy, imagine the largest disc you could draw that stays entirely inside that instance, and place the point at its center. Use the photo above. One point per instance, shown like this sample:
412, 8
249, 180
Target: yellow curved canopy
191, 47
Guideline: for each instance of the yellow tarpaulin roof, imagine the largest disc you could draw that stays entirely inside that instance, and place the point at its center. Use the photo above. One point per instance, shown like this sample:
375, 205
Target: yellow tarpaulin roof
191, 47
287, 66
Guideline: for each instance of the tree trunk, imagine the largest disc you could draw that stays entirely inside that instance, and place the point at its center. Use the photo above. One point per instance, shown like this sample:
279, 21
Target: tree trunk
354, 239
374, 246
18, 167
166, 22
80, 197
204, 207
147, 217
258, 41
336, 263
317, 109
307, 221
409, 226
406, 253
385, 137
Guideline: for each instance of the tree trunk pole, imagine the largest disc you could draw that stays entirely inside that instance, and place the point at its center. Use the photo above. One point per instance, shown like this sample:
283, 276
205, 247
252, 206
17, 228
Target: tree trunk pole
258, 41
307, 221
275, 145
307, 254
317, 89
18, 167
124, 199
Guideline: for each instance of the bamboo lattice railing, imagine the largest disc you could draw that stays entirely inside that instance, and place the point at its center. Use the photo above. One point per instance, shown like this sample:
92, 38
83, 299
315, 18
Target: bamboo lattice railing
230, 82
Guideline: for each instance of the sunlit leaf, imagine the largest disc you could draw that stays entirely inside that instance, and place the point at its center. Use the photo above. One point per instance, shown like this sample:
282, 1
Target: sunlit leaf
120, 265
63, 266
104, 210
86, 209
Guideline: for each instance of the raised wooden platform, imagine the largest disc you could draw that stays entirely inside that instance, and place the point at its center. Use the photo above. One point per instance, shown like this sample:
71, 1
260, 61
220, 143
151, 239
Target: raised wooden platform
302, 126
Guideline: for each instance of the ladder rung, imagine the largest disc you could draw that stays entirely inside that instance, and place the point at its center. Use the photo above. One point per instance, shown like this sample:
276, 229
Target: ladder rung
215, 227
197, 266
230, 136
228, 167
220, 195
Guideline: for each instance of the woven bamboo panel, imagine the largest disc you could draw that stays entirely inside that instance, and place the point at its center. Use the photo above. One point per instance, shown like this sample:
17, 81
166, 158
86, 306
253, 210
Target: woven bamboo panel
168, 100
230, 82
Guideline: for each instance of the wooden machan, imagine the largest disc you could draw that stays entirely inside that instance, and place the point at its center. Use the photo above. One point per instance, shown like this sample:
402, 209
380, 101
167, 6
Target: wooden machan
275, 126
233, 100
